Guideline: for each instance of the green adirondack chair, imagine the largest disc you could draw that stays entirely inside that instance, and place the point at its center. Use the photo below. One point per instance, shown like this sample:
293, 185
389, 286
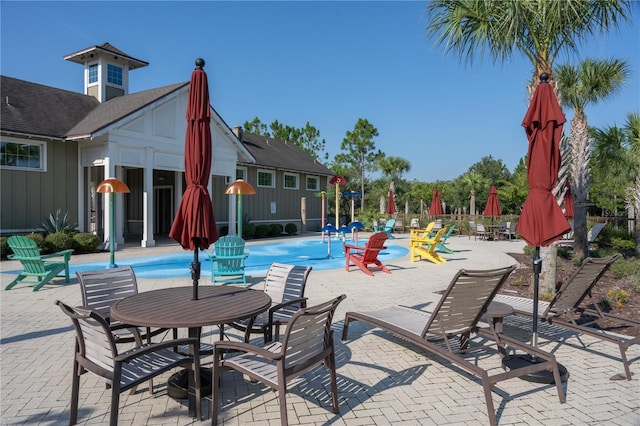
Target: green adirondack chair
36, 264
440, 245
227, 260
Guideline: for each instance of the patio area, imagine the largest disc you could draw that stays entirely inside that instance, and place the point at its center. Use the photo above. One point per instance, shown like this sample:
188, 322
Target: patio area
381, 379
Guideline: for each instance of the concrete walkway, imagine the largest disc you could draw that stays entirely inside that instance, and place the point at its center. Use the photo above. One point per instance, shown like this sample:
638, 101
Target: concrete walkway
381, 379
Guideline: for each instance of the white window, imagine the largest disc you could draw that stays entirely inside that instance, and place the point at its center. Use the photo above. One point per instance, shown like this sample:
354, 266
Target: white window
93, 73
241, 173
290, 181
23, 156
266, 178
313, 183
114, 75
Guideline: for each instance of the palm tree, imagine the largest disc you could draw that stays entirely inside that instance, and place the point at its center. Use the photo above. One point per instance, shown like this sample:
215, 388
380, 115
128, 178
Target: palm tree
588, 83
632, 126
538, 29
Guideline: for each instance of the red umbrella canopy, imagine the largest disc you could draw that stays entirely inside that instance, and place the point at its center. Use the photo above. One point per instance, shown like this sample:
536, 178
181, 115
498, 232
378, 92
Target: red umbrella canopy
493, 204
436, 205
568, 203
542, 221
195, 225
391, 205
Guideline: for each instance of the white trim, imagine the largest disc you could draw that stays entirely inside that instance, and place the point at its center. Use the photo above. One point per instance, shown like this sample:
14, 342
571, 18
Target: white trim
43, 155
270, 172
306, 183
284, 180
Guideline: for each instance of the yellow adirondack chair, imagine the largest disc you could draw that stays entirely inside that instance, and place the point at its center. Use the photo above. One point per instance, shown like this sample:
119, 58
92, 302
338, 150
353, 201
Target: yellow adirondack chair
36, 264
425, 247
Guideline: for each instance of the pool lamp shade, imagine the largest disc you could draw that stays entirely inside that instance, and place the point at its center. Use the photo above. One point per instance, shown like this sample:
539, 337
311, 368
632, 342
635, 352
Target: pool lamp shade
240, 188
111, 186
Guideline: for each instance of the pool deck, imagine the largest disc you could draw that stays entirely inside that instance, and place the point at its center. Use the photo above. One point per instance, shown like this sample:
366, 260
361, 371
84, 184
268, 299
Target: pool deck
381, 380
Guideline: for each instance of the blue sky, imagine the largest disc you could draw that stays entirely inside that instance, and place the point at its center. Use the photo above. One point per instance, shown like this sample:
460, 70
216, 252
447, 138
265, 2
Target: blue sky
328, 63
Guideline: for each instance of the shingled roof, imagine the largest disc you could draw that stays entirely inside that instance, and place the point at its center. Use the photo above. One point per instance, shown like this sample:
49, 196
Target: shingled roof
34, 109
277, 154
116, 108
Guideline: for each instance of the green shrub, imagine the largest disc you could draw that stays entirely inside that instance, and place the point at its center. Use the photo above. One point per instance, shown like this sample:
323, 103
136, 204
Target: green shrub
530, 250
291, 228
58, 223
4, 247
85, 242
39, 240
262, 231
622, 244
248, 231
57, 241
275, 229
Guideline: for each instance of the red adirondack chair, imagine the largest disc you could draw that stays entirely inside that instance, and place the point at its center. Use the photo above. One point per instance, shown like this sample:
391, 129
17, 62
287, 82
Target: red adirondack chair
367, 255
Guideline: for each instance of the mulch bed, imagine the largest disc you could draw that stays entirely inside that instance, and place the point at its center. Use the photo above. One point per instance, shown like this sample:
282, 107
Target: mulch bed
520, 282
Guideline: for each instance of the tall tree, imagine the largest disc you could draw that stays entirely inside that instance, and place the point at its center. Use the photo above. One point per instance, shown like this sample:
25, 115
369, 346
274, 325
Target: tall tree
540, 30
256, 127
579, 86
306, 138
632, 127
360, 151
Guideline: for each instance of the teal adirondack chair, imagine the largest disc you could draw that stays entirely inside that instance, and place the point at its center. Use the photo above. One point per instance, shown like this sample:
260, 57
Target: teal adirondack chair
36, 264
388, 227
440, 245
227, 261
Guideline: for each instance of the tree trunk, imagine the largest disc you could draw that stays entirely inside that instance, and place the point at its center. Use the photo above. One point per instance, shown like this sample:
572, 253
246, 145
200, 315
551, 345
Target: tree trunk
637, 217
548, 274
580, 151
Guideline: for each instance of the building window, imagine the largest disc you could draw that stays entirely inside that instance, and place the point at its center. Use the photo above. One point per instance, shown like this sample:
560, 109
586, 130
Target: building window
93, 73
266, 179
241, 173
313, 183
114, 75
290, 181
29, 156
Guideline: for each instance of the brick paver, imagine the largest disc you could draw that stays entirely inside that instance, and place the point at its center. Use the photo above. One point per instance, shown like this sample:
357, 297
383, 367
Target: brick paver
382, 380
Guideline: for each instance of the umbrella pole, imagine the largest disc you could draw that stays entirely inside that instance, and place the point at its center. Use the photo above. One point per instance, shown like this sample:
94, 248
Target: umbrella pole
537, 268
195, 272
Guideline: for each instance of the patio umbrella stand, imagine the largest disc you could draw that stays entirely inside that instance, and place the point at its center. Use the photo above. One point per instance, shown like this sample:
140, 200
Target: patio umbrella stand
542, 221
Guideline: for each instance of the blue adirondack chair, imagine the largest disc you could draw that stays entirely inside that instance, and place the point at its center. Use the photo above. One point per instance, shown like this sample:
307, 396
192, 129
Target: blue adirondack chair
388, 227
227, 260
36, 264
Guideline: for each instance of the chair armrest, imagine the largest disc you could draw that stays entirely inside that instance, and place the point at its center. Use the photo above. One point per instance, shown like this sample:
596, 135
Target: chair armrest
65, 253
153, 347
236, 256
302, 301
221, 346
350, 246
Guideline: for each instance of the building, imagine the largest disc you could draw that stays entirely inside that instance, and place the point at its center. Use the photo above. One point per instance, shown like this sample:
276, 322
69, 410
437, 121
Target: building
57, 146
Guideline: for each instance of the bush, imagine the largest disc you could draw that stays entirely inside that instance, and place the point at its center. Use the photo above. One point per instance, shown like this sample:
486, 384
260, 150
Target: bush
291, 228
275, 229
85, 242
248, 230
262, 231
39, 240
57, 241
4, 247
57, 223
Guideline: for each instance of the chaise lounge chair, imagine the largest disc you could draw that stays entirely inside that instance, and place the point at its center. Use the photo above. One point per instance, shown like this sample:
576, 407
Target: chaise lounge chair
565, 308
35, 264
446, 333
592, 234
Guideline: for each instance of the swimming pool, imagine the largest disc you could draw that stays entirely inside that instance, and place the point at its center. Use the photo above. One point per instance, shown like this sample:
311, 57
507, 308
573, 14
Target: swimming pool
307, 252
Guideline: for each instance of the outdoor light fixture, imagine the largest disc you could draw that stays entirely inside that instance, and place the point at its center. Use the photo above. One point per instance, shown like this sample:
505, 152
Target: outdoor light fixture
239, 188
111, 186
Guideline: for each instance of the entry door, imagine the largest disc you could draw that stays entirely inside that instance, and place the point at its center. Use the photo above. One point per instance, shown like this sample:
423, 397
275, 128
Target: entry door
162, 209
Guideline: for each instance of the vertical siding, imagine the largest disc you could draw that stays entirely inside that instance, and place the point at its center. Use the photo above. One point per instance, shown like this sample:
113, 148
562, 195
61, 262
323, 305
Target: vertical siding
28, 197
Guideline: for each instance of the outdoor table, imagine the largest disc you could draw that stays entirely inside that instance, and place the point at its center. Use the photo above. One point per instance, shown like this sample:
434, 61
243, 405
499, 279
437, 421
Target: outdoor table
174, 308
496, 311
494, 229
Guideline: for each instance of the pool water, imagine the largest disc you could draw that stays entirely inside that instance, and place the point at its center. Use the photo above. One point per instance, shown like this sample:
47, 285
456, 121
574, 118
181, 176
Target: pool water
306, 252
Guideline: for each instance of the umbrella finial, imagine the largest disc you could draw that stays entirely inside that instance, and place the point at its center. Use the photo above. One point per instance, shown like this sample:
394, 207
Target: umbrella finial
199, 63
544, 77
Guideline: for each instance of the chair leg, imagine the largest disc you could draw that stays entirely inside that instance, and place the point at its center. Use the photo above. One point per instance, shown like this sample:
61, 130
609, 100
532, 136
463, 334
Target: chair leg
489, 401
215, 388
115, 402
75, 390
282, 396
331, 364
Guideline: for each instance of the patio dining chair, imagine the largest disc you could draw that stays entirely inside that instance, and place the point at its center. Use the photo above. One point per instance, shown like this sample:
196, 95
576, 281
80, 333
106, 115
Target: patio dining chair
96, 351
285, 284
451, 332
307, 342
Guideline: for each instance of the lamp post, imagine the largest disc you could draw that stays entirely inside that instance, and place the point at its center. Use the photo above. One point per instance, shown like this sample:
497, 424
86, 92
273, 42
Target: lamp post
112, 186
238, 188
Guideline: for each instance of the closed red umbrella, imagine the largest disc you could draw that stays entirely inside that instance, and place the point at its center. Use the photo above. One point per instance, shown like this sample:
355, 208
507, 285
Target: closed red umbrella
194, 226
391, 204
568, 202
436, 205
541, 221
493, 204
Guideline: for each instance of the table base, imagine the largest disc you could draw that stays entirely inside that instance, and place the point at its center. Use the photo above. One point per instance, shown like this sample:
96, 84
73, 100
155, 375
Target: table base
545, 376
177, 386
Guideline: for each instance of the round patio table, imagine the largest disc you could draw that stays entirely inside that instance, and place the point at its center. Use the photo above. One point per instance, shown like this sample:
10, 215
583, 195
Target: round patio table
174, 308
